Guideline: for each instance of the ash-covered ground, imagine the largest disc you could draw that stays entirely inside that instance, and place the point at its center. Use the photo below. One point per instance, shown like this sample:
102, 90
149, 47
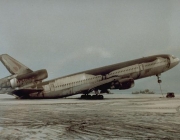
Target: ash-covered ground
118, 116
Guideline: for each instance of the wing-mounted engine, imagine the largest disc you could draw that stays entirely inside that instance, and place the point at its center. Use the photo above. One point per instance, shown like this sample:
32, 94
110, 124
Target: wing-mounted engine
116, 83
25, 79
122, 84
127, 85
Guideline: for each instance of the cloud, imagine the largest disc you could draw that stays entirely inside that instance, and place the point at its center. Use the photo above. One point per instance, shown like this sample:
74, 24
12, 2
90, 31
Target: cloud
101, 52
84, 53
88, 54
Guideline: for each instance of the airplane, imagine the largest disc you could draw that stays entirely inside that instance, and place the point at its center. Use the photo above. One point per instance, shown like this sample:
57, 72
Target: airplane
24, 83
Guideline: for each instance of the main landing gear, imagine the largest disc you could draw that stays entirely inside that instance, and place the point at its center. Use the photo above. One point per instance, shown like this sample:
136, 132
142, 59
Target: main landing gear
159, 81
92, 97
96, 96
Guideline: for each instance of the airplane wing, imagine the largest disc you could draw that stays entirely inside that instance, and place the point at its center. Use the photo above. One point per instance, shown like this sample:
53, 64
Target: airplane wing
101, 83
114, 80
91, 87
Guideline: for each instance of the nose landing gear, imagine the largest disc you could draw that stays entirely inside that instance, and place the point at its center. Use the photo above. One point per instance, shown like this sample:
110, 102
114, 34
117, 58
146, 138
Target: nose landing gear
159, 81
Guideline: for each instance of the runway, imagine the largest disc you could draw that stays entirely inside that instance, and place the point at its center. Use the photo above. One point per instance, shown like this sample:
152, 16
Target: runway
118, 116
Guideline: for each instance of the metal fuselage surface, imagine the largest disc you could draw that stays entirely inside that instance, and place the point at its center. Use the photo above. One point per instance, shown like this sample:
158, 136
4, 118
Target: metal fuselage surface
79, 82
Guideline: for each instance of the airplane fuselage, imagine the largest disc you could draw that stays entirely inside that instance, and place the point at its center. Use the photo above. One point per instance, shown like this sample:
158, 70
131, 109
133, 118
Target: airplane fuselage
83, 81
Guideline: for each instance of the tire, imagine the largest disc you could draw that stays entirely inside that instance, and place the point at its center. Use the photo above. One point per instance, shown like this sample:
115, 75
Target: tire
89, 97
100, 97
83, 96
94, 96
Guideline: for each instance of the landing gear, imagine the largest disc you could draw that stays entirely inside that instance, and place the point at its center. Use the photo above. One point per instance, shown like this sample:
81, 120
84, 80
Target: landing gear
92, 97
159, 81
86, 96
105, 91
158, 78
96, 96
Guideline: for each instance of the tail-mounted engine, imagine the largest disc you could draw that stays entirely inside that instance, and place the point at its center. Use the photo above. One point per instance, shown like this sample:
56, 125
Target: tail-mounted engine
25, 79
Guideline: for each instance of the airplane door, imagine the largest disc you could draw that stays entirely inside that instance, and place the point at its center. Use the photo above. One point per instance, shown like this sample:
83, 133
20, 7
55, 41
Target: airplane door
46, 88
141, 68
51, 85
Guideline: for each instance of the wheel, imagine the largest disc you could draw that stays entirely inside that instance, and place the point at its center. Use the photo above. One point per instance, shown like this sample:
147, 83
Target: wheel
88, 97
101, 97
97, 97
83, 96
94, 96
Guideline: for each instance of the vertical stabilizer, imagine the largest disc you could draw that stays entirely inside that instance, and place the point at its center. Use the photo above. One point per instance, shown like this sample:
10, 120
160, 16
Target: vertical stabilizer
13, 66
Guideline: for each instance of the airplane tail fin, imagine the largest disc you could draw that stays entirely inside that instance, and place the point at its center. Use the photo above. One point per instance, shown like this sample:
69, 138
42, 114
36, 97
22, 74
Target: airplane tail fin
13, 66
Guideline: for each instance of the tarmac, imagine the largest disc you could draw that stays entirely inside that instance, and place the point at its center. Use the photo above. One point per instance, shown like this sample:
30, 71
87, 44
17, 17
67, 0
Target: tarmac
118, 116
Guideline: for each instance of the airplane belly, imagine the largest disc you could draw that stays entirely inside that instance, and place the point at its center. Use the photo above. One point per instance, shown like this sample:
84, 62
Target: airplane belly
66, 92
146, 73
60, 93
134, 75
51, 94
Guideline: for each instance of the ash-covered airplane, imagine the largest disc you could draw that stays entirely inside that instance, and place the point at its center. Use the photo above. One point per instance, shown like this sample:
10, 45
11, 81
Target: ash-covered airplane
25, 83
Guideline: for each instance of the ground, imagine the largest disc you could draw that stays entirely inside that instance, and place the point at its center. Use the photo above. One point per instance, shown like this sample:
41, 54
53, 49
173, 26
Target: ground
118, 116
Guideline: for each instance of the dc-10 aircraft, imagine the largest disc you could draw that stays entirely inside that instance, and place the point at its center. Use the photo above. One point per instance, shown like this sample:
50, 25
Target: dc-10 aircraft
25, 83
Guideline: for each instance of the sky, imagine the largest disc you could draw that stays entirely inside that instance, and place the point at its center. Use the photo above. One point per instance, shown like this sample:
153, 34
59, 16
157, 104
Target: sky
66, 37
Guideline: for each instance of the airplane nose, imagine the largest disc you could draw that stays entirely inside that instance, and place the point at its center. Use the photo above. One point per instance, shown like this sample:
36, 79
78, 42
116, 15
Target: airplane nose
178, 60
174, 61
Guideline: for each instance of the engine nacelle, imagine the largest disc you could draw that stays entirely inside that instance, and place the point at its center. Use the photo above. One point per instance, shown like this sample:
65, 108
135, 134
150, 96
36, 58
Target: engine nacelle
126, 84
37, 75
25, 79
